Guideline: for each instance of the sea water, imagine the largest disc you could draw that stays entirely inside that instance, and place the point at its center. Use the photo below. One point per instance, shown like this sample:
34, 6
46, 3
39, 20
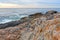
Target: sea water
12, 14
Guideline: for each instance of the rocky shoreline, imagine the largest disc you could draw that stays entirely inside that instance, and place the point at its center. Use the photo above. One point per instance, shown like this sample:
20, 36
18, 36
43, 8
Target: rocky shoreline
36, 26
25, 19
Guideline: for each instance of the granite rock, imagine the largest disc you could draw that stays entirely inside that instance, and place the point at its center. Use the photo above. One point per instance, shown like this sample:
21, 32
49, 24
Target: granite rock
36, 29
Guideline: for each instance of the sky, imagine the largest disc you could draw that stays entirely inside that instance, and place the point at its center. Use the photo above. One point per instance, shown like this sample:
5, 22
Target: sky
29, 3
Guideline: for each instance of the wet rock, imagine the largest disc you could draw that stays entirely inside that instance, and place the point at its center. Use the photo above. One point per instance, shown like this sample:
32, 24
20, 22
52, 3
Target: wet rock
9, 24
24, 19
35, 15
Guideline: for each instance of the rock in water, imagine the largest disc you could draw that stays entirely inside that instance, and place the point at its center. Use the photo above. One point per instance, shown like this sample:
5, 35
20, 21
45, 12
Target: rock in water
51, 12
35, 15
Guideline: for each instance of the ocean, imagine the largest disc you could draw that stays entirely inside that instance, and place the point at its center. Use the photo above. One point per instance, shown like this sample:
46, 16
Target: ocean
13, 14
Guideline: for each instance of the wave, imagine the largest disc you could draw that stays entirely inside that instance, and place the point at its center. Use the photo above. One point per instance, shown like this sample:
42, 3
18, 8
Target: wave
11, 18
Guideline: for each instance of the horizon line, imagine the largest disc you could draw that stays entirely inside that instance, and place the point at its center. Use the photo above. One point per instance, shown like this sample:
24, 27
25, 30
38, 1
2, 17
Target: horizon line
48, 7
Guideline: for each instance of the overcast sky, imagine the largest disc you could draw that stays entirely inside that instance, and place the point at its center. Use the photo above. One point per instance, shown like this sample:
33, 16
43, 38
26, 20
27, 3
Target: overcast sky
29, 3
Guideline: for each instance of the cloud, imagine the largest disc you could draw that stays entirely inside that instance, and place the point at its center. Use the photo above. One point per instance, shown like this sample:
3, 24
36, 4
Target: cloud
9, 5
34, 5
42, 1
29, 3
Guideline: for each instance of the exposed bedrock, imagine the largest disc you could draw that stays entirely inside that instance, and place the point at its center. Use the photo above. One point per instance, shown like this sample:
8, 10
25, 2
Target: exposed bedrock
31, 28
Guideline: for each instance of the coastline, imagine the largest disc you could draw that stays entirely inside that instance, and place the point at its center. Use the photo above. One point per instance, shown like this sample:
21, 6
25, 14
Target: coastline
28, 18
34, 27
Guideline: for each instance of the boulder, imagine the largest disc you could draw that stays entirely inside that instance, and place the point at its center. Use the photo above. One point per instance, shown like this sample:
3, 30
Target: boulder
51, 12
24, 19
35, 15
